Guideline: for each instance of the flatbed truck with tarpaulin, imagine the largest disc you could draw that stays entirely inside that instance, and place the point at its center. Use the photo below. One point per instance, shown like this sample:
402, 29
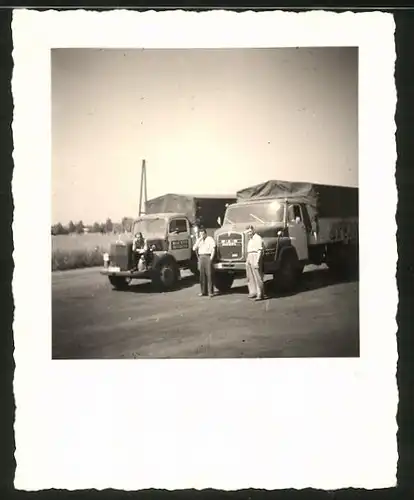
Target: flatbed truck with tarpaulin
301, 223
162, 240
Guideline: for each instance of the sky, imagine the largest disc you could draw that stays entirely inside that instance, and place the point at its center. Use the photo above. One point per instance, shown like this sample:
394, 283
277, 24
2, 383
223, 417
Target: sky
206, 122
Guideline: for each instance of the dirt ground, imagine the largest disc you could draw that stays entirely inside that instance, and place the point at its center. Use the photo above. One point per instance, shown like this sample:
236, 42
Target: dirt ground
90, 320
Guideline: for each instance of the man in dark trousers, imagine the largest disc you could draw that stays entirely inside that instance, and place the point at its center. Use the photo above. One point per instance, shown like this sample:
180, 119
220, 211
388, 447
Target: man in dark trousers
205, 247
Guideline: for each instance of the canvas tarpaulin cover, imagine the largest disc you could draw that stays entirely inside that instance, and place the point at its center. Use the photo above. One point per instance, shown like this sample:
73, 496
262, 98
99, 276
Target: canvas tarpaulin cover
329, 201
172, 203
203, 210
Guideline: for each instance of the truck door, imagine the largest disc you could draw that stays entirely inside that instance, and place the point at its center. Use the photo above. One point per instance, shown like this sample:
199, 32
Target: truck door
179, 244
297, 231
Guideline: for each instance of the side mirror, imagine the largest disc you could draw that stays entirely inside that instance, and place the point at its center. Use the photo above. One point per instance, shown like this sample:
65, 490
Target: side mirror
279, 233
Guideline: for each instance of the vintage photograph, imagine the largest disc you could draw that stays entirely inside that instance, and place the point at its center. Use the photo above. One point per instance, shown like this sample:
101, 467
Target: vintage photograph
205, 203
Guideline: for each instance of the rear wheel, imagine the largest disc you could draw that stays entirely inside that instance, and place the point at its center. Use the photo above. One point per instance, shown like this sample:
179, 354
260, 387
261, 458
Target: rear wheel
166, 275
342, 260
352, 254
223, 281
119, 282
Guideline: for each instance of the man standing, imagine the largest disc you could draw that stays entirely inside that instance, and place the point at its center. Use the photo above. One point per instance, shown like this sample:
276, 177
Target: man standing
205, 248
255, 250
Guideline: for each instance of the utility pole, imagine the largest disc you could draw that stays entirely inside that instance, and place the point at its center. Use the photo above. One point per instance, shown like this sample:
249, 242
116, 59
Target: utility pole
143, 188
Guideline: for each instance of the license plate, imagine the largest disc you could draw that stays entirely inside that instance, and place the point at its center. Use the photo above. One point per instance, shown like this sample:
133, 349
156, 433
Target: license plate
113, 269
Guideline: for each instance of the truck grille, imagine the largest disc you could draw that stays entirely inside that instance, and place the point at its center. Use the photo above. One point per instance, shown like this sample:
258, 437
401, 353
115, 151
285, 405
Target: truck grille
230, 246
121, 256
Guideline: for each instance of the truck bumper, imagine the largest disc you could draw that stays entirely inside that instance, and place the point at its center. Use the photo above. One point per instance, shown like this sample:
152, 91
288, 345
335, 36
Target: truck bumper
239, 268
107, 271
230, 266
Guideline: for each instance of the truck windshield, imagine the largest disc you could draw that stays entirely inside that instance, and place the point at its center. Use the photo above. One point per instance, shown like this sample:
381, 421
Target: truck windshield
149, 226
255, 213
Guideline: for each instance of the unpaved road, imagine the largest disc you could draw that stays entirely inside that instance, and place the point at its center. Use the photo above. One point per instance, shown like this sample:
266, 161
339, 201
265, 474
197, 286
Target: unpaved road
91, 320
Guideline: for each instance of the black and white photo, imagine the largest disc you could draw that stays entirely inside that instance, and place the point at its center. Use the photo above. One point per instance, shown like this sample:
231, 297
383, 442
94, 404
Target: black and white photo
148, 145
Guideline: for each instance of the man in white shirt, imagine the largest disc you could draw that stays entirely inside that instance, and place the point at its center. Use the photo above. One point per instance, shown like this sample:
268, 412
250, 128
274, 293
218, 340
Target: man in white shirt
205, 247
255, 251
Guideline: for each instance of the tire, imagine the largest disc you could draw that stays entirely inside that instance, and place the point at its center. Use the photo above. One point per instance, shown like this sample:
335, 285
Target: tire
317, 255
342, 261
287, 277
353, 265
335, 260
223, 281
119, 282
166, 275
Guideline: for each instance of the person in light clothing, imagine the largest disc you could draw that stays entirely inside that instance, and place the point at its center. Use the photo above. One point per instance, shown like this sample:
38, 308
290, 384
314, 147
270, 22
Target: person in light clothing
205, 247
255, 251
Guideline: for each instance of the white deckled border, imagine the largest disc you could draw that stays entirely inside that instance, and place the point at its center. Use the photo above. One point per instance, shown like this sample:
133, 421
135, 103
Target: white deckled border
198, 424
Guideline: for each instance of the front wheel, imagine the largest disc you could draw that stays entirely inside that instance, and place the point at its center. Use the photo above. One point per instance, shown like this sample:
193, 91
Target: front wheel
223, 281
166, 277
287, 277
119, 282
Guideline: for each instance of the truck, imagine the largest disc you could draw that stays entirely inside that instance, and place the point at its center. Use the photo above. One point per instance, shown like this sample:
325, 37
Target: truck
161, 245
301, 223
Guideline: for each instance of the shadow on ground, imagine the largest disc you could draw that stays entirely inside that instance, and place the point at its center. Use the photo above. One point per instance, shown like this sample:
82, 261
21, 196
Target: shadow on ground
310, 280
148, 286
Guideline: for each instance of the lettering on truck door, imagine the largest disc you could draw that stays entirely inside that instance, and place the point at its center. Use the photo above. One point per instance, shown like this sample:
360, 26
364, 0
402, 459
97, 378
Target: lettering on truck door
297, 231
179, 239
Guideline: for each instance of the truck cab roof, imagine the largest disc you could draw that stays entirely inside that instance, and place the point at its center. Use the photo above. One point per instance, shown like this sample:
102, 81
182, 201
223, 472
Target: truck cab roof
162, 215
251, 201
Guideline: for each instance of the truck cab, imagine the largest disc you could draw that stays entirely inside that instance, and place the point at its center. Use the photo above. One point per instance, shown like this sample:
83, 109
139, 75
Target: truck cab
270, 218
160, 247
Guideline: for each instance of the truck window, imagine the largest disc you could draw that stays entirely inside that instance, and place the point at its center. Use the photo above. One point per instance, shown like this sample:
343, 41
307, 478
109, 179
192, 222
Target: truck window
179, 225
253, 213
294, 211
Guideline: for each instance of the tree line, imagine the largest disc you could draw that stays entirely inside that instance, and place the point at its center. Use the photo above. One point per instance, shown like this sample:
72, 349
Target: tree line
97, 227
